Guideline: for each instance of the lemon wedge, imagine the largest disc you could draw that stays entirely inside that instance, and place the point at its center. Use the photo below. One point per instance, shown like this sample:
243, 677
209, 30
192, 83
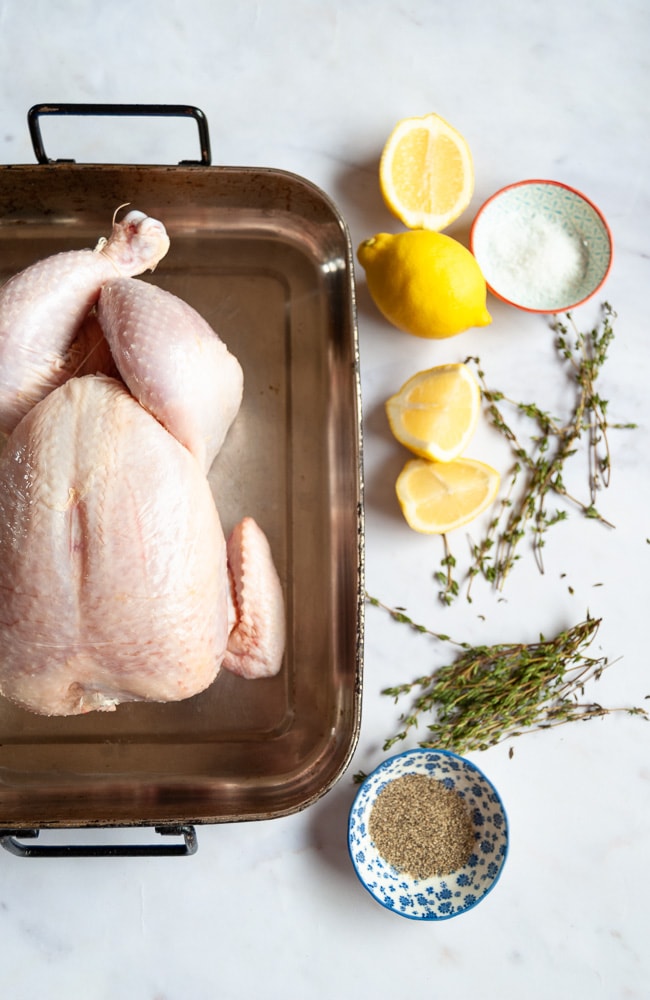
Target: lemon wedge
435, 413
437, 497
426, 173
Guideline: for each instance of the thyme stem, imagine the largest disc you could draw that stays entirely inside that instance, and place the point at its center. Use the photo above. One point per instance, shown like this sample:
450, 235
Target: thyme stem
538, 469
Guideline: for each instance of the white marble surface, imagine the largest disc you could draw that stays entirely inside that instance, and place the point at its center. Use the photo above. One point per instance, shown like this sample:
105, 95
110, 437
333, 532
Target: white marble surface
273, 909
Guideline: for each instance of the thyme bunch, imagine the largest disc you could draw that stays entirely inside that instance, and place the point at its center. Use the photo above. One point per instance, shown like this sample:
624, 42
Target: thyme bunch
537, 474
492, 693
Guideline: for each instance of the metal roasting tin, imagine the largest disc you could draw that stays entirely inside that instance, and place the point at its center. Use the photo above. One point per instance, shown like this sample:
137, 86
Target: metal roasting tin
266, 258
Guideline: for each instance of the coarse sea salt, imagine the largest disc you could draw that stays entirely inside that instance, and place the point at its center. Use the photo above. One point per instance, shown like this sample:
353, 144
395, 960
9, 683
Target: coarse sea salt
536, 261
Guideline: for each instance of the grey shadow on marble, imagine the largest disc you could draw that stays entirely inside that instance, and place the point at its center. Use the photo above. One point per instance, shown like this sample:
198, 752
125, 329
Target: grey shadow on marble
380, 483
328, 826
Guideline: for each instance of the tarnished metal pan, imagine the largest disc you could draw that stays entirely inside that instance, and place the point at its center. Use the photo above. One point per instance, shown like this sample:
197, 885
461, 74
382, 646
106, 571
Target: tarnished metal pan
264, 255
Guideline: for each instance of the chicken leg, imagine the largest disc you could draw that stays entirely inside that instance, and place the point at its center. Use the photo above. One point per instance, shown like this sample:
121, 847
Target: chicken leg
43, 307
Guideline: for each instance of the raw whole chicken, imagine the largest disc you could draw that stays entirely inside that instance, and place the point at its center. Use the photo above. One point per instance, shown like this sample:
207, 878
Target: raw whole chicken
116, 581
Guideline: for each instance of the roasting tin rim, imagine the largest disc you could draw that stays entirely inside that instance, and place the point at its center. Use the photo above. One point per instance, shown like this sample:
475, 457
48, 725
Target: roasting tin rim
193, 176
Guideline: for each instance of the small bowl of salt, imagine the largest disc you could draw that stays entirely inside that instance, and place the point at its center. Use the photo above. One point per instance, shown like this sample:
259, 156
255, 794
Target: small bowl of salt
428, 834
542, 246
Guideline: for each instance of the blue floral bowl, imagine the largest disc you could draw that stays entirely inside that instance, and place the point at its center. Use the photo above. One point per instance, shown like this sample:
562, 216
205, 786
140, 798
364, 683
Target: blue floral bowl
437, 897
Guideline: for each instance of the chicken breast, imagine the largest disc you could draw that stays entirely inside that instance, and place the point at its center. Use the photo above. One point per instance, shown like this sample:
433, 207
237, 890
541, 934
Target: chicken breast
113, 571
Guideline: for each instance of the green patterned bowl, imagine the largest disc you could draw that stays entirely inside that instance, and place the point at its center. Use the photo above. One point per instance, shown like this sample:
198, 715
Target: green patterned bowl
542, 246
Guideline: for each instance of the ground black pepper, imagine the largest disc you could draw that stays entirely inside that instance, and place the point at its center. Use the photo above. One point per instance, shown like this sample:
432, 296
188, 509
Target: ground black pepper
421, 827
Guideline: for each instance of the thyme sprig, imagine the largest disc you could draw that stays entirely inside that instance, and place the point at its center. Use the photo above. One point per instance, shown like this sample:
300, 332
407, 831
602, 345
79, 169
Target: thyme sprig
492, 693
537, 473
450, 588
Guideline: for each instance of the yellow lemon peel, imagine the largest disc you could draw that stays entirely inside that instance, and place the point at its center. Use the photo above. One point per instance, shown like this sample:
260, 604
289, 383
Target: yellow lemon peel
427, 284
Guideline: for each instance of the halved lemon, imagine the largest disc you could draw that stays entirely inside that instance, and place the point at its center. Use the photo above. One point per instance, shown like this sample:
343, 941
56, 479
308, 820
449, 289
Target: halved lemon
426, 173
437, 497
435, 413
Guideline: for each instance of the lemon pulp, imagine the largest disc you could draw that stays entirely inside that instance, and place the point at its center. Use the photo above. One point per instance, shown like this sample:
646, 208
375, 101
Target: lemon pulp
437, 497
426, 172
435, 413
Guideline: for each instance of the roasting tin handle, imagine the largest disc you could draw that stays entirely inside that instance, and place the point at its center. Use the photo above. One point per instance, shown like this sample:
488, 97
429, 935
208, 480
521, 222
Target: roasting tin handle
11, 841
119, 110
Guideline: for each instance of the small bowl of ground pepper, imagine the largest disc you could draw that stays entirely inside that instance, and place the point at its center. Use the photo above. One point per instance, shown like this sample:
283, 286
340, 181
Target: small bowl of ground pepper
542, 246
428, 834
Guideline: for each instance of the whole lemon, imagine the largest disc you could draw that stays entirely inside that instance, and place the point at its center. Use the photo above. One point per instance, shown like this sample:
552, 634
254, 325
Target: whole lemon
425, 283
